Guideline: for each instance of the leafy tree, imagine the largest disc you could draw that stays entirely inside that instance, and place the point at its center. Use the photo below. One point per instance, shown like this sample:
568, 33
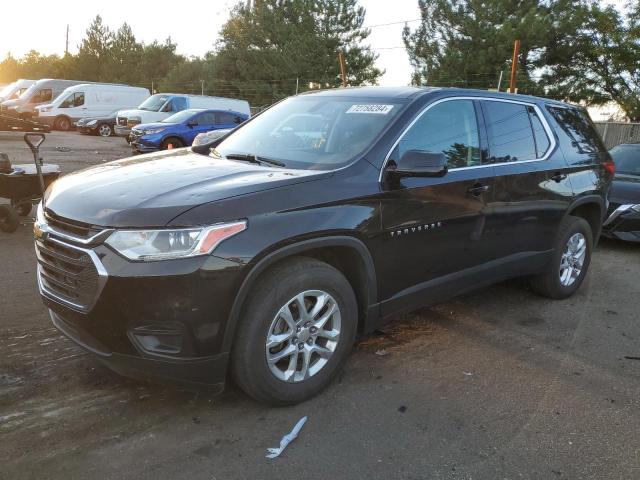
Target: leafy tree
601, 62
125, 56
94, 53
467, 43
157, 60
267, 51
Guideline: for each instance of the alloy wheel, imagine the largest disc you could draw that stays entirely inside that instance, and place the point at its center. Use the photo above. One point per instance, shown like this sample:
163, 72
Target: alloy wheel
572, 259
303, 336
104, 130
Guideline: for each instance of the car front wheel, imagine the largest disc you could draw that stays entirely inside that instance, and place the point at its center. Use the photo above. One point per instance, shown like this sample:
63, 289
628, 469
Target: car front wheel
295, 333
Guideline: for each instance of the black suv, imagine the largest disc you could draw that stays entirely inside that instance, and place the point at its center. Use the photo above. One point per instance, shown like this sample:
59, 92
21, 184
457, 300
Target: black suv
313, 223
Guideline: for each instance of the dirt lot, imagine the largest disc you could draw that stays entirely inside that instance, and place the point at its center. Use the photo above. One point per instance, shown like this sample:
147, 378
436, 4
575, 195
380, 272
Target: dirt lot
500, 384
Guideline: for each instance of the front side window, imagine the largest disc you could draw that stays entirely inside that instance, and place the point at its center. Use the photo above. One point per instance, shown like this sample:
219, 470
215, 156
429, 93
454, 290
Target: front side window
177, 104
315, 132
509, 131
73, 100
41, 96
449, 127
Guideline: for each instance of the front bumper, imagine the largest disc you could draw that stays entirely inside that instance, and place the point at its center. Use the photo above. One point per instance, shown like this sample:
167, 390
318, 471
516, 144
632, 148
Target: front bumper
623, 223
122, 131
161, 320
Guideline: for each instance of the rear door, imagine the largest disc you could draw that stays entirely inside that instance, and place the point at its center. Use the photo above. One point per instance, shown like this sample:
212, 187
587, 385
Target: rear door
227, 120
204, 122
531, 191
435, 228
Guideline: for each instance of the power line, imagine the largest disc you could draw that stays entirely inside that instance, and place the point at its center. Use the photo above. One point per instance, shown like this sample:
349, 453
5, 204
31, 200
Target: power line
393, 23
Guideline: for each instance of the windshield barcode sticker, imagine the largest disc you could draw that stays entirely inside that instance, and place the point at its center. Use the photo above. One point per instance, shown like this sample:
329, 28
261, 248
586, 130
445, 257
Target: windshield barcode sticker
370, 108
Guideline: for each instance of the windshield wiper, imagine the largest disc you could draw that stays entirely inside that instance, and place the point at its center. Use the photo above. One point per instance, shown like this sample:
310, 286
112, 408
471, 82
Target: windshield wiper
245, 157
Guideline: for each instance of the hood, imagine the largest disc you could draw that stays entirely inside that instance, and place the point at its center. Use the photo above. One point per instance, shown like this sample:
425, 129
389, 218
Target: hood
150, 190
625, 189
40, 106
12, 103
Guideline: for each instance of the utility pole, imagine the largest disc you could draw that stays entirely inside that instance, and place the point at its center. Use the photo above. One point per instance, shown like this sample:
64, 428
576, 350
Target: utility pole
201, 87
499, 80
343, 69
514, 66
297, 84
66, 44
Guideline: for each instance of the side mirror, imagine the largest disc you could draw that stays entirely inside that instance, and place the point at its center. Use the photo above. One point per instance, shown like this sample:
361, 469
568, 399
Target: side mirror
421, 163
192, 123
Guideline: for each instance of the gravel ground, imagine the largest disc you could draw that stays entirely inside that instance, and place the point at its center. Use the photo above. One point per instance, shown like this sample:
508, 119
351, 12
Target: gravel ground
499, 384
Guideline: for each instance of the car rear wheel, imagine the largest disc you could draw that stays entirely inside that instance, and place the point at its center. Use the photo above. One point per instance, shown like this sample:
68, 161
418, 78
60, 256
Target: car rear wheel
104, 130
9, 219
570, 261
295, 333
173, 141
62, 123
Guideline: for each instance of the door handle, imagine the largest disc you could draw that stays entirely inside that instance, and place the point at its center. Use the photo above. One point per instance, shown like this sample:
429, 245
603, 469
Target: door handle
478, 189
558, 177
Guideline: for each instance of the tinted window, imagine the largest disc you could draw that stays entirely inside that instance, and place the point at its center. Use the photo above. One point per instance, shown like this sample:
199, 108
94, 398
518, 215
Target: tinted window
509, 130
43, 95
207, 118
225, 118
539, 134
449, 127
578, 127
627, 159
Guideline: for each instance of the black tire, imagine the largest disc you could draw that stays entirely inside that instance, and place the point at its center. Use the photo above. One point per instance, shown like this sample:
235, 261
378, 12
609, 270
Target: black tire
274, 289
549, 284
104, 132
176, 142
23, 208
62, 124
9, 219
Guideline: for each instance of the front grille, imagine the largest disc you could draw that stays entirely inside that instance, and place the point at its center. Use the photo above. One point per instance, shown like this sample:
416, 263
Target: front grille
70, 227
67, 273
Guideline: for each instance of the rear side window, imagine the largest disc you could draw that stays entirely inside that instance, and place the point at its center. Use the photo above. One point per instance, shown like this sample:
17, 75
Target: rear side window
539, 133
451, 128
578, 127
225, 118
510, 133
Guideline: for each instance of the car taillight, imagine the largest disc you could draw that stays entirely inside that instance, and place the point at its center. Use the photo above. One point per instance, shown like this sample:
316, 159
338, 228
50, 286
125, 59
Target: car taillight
610, 167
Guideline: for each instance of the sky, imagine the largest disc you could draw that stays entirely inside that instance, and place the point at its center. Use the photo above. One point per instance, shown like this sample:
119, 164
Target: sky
193, 29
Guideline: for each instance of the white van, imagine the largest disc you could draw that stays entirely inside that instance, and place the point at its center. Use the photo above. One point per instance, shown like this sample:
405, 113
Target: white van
88, 100
162, 105
15, 89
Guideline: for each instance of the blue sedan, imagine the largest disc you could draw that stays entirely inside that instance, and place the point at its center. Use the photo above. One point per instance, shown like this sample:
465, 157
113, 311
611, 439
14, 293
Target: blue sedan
180, 129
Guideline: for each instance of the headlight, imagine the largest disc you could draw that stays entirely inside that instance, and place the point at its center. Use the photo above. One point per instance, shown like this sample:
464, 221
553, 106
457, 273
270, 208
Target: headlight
153, 130
179, 243
92, 122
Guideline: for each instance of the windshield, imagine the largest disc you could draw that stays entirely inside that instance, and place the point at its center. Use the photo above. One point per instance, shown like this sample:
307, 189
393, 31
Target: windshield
29, 91
627, 159
7, 89
313, 132
154, 103
179, 117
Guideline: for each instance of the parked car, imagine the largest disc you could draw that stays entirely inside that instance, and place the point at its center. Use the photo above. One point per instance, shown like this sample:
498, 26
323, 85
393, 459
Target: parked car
180, 129
162, 105
623, 220
15, 89
102, 126
42, 91
269, 256
88, 100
